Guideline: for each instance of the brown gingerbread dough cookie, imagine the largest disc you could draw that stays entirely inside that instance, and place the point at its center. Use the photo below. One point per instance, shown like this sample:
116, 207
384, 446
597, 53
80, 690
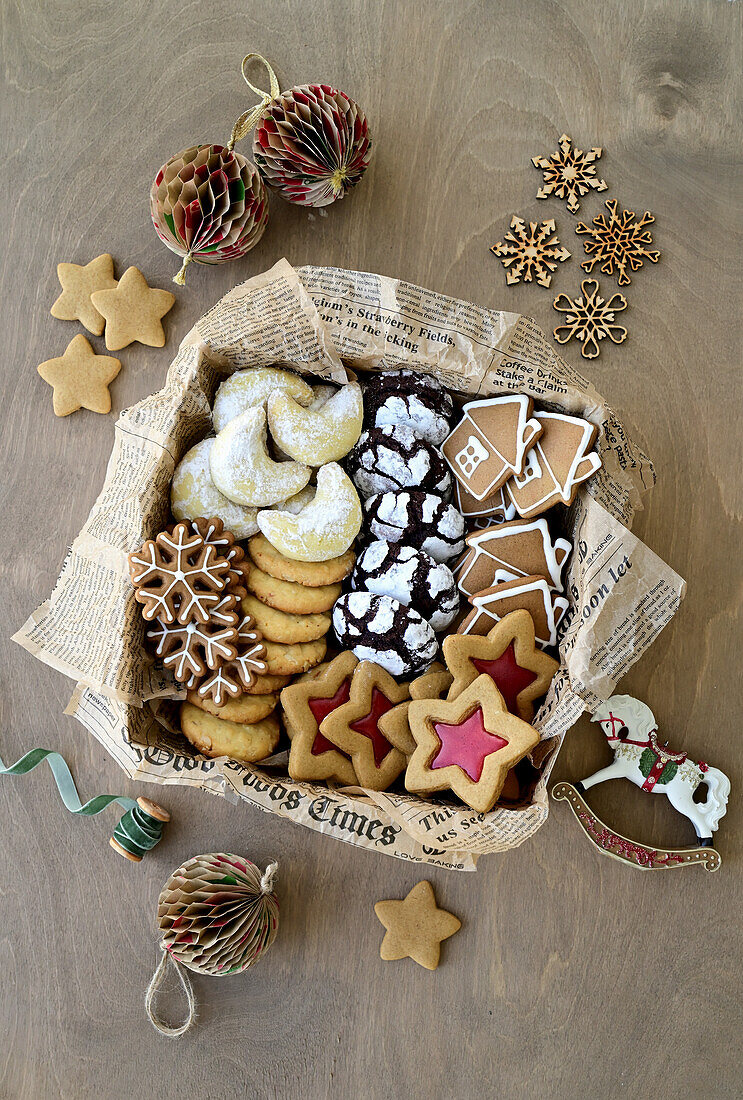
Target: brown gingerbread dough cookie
239, 740
290, 596
285, 626
312, 574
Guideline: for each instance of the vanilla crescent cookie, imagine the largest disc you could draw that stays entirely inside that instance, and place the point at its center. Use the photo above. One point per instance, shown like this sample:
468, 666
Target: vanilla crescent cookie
325, 528
317, 436
247, 388
242, 468
193, 494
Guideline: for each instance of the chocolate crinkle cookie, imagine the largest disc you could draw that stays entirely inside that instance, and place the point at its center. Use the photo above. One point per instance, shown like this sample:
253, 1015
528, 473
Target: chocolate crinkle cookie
395, 457
418, 519
381, 629
411, 577
406, 397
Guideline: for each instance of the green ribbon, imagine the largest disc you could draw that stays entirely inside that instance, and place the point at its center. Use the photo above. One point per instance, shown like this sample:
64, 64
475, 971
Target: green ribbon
137, 832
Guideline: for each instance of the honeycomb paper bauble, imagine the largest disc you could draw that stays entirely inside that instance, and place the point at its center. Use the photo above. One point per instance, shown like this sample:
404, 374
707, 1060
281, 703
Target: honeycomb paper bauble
312, 144
209, 204
218, 913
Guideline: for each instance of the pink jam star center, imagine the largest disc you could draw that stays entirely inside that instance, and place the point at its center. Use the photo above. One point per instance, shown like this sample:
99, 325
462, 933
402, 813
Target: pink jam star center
508, 676
466, 744
321, 708
368, 726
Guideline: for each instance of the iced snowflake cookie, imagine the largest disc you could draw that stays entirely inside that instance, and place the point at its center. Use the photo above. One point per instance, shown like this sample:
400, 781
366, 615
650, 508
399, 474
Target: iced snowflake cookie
317, 436
381, 629
193, 494
242, 468
395, 457
325, 528
247, 388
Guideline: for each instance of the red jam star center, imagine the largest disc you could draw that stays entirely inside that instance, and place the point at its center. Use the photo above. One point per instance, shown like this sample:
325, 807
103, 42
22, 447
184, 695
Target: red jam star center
508, 675
321, 708
369, 725
466, 744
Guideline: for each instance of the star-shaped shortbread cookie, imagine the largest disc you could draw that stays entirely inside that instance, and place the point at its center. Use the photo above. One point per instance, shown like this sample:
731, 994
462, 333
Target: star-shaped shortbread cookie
78, 282
80, 378
133, 311
415, 927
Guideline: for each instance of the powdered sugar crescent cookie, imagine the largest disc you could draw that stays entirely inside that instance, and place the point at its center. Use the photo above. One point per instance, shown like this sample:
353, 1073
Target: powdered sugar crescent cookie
285, 626
290, 596
242, 468
311, 574
296, 503
214, 736
246, 389
317, 436
193, 494
322, 394
325, 528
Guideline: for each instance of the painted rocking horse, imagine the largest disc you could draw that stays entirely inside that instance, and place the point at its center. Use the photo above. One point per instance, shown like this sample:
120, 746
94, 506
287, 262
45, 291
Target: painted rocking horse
631, 731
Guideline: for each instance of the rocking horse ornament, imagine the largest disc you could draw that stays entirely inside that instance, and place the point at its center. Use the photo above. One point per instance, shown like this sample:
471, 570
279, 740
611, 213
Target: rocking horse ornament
631, 731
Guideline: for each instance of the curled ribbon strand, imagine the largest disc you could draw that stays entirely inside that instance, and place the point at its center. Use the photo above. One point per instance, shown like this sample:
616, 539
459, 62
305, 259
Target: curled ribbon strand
248, 119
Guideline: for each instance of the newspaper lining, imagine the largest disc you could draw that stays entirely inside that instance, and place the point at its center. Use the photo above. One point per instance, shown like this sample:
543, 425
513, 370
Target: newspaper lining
316, 320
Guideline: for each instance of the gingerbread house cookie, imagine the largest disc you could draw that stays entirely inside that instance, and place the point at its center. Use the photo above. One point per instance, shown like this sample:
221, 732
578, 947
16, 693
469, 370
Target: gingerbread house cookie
521, 548
531, 593
490, 442
558, 463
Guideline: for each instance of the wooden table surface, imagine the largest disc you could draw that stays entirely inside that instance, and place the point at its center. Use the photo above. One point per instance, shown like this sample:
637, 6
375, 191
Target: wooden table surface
573, 976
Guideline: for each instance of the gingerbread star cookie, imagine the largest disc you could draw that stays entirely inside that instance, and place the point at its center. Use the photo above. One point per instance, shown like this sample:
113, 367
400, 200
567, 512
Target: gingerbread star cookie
466, 745
354, 727
133, 311
508, 655
433, 684
306, 703
78, 282
415, 927
80, 378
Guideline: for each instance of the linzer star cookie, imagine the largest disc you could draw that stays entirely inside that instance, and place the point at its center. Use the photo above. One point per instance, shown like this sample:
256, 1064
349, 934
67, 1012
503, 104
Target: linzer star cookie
411, 577
80, 378
533, 594
521, 548
178, 576
133, 311
415, 927
418, 519
394, 457
508, 655
466, 745
433, 684
78, 282
354, 726
556, 466
489, 443
306, 703
381, 629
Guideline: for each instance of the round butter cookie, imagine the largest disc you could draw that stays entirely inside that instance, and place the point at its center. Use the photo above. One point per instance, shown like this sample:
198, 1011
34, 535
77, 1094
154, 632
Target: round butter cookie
214, 736
247, 388
288, 660
317, 436
285, 626
266, 684
193, 494
381, 629
244, 708
242, 468
290, 596
394, 457
325, 528
423, 520
312, 574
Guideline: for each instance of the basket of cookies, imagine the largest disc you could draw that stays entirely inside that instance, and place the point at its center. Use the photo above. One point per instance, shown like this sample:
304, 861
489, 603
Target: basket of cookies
362, 563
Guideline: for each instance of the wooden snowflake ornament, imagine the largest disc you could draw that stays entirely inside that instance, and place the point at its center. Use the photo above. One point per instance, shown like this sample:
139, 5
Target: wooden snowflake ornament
531, 253
590, 319
618, 242
569, 173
